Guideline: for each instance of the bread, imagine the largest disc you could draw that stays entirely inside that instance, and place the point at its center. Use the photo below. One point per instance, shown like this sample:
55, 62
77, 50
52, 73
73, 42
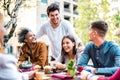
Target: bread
37, 68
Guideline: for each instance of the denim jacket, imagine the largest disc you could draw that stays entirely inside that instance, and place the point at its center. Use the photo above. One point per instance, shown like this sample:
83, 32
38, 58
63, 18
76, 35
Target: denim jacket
105, 58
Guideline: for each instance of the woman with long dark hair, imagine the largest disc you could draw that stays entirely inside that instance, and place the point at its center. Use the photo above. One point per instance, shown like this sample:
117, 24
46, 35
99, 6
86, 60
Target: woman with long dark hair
68, 52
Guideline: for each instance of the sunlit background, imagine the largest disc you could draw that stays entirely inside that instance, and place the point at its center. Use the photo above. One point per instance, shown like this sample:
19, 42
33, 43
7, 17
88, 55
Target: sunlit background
80, 13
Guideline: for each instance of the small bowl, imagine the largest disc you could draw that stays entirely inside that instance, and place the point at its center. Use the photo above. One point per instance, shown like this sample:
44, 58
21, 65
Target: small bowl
25, 66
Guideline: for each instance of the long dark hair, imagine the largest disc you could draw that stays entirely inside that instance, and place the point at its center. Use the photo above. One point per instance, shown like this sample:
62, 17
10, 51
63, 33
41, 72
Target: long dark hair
63, 53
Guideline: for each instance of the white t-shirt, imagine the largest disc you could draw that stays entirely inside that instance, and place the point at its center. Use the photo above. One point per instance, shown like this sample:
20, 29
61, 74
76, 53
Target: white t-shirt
55, 35
8, 69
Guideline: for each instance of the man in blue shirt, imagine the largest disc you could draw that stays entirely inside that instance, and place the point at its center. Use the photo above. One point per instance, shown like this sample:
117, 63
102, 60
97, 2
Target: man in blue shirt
105, 55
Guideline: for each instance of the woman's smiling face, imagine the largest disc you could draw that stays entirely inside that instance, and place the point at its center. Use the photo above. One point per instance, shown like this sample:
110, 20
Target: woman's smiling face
67, 45
30, 37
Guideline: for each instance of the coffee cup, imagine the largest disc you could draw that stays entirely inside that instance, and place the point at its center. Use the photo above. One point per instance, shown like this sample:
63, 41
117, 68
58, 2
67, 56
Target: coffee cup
47, 69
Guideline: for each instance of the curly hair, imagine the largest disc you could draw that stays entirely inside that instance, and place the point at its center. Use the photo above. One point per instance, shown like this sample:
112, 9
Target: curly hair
22, 34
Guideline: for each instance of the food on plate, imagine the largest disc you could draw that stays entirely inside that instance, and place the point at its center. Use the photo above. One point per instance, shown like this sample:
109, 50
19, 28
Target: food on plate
37, 68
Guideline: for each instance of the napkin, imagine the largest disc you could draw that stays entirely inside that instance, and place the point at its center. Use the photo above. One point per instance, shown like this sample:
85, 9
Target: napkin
61, 76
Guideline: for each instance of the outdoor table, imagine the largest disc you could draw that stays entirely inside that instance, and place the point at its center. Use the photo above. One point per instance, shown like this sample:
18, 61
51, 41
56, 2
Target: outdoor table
48, 77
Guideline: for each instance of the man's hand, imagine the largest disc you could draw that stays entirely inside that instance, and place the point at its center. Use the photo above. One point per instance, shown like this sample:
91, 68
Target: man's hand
93, 70
84, 74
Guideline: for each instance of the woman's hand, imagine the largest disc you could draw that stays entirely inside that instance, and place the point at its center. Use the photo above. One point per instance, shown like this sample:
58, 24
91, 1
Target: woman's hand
18, 65
59, 65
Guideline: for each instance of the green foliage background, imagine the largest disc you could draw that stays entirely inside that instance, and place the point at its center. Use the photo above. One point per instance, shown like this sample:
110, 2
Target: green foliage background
89, 12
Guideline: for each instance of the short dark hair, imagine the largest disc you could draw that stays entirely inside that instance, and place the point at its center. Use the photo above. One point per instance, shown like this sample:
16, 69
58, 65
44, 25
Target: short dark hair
101, 26
52, 7
22, 34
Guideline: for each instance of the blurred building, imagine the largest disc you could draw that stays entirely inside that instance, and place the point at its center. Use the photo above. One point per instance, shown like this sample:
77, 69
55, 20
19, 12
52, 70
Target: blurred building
114, 6
35, 16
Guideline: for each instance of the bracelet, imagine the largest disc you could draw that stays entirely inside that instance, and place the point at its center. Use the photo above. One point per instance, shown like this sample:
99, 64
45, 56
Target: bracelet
88, 70
89, 77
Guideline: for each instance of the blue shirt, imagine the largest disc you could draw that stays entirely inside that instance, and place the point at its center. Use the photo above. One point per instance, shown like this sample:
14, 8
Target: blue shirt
106, 57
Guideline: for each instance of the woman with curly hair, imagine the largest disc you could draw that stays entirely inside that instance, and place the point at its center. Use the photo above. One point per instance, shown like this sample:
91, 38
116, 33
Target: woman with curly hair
31, 48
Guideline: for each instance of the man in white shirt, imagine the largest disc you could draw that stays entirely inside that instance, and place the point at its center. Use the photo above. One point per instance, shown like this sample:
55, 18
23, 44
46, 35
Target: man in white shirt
55, 29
